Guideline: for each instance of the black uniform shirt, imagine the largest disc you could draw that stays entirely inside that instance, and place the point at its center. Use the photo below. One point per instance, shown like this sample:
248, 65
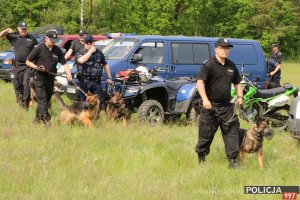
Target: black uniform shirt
76, 46
277, 57
218, 79
22, 45
41, 55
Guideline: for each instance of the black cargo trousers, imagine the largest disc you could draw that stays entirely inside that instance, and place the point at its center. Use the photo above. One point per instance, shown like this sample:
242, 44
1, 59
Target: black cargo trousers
43, 87
222, 116
21, 83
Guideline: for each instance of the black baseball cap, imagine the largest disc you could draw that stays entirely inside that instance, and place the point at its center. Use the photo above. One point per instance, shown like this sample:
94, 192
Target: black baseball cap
223, 42
274, 45
82, 32
52, 35
88, 39
22, 25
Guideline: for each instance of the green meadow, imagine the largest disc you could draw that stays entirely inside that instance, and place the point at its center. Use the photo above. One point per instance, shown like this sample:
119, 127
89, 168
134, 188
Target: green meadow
139, 162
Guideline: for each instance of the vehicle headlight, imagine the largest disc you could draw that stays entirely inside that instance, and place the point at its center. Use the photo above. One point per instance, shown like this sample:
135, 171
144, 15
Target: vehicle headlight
7, 61
130, 90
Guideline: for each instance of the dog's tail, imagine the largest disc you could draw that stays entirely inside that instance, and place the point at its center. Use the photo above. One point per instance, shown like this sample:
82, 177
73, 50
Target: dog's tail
60, 100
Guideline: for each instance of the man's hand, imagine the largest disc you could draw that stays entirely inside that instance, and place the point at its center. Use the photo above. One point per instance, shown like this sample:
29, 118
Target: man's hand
271, 74
109, 81
93, 49
207, 104
41, 68
239, 101
69, 76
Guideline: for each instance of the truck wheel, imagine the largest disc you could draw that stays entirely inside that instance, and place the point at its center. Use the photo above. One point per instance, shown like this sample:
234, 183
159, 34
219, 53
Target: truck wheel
151, 112
192, 116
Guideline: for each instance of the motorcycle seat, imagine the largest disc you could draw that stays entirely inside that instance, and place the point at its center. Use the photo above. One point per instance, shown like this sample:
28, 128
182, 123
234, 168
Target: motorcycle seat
267, 93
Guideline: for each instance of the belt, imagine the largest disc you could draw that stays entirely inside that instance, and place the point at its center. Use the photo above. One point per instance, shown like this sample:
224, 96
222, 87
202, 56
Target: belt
17, 64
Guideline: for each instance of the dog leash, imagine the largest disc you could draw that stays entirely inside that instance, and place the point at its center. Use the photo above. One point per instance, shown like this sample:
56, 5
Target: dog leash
218, 115
35, 70
78, 88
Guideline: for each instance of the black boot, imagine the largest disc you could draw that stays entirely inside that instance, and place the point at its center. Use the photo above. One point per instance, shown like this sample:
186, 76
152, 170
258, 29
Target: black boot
233, 164
46, 120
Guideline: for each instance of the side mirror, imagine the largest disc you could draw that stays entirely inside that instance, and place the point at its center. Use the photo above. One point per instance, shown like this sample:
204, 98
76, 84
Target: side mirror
136, 57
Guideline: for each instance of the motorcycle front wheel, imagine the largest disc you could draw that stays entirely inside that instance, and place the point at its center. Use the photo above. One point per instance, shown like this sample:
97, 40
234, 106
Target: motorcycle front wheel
278, 118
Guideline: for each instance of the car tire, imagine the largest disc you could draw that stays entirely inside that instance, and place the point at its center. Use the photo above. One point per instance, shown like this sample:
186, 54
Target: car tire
151, 112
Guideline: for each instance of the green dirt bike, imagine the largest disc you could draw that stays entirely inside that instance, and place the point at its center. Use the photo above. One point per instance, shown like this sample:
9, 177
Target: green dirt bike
271, 104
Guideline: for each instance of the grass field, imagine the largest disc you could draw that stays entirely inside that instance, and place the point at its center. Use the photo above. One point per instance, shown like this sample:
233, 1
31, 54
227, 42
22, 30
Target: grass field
136, 163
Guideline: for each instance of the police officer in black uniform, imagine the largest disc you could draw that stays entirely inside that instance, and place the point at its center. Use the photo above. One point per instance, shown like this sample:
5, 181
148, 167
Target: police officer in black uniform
76, 45
23, 43
43, 59
91, 63
214, 86
275, 70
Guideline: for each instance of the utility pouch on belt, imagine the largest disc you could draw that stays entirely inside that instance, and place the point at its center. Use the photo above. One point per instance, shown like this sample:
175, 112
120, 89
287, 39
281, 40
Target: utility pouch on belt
18, 64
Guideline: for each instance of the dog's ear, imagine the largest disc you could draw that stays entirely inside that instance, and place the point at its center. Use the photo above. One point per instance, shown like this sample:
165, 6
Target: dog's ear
89, 93
258, 121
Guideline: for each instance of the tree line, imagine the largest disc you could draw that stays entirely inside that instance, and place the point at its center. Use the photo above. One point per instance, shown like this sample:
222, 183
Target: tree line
268, 21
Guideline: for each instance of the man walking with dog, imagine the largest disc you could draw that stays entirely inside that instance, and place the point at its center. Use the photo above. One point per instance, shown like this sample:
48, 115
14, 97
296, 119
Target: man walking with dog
91, 63
43, 60
23, 43
214, 86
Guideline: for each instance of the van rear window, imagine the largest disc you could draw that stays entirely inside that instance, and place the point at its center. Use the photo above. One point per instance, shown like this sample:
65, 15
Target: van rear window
243, 54
188, 53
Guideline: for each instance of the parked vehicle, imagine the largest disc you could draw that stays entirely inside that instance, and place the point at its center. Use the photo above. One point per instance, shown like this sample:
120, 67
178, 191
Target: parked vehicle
294, 118
154, 98
7, 57
272, 104
6, 61
64, 41
100, 44
181, 56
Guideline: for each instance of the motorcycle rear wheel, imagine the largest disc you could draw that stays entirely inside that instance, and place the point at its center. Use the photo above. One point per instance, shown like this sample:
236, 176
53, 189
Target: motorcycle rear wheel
278, 118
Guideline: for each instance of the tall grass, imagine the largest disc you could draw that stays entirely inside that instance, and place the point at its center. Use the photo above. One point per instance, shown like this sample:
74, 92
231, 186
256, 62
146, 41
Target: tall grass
138, 162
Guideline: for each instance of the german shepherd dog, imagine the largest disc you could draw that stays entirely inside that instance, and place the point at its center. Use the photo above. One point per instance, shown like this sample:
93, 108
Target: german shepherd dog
84, 111
251, 141
32, 92
116, 109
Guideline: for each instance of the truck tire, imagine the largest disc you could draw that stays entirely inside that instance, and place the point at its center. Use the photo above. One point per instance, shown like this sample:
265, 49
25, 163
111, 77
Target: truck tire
151, 112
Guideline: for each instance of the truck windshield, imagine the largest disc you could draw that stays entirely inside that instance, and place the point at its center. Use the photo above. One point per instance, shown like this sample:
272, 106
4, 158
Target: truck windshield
119, 48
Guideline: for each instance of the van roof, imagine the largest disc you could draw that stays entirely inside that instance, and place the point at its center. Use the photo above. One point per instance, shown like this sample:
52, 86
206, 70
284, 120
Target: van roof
187, 38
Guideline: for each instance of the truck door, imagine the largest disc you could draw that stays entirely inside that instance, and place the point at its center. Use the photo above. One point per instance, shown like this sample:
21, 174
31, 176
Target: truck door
187, 57
152, 56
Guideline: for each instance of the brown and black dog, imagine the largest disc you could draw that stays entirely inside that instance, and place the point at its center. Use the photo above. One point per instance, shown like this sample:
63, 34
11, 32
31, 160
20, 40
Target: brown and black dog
32, 92
252, 140
84, 111
116, 108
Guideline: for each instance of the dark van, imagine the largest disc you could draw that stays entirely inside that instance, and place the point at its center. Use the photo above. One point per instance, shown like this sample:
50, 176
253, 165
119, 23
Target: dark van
179, 56
182, 56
